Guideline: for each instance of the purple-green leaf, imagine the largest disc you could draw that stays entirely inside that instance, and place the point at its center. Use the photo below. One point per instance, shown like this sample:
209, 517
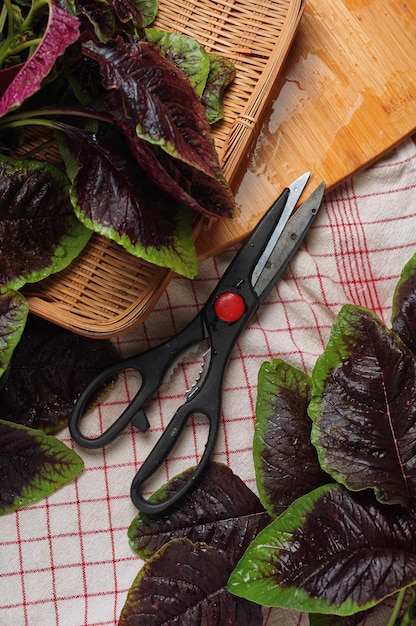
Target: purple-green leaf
130, 14
221, 74
285, 461
221, 511
33, 466
364, 408
186, 583
167, 113
13, 314
184, 52
62, 30
148, 10
113, 196
330, 552
404, 305
98, 15
39, 232
49, 369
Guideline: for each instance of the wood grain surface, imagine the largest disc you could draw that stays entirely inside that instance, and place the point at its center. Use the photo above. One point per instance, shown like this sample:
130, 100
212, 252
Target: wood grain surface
346, 95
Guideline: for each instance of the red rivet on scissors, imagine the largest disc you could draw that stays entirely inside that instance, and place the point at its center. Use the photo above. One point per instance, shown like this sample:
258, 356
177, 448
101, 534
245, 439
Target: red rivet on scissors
229, 306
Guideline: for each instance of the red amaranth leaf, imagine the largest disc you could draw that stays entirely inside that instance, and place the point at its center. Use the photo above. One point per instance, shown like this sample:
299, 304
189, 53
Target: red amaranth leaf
61, 31
186, 583
331, 551
364, 408
49, 369
221, 511
33, 465
285, 460
156, 103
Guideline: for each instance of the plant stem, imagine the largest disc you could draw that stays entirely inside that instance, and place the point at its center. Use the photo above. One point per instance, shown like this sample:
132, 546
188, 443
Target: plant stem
7, 13
3, 17
24, 119
36, 6
396, 609
9, 9
26, 44
33, 121
9, 47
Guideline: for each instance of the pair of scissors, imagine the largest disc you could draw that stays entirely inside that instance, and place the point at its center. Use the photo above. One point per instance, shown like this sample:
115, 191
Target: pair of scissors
256, 268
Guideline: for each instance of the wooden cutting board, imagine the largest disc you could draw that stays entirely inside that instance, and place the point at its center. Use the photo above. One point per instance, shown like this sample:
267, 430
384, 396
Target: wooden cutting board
346, 95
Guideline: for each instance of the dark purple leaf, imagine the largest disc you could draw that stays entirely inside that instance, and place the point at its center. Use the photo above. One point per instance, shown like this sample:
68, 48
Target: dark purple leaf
364, 408
404, 306
330, 552
128, 11
286, 462
181, 182
185, 583
98, 18
62, 30
49, 369
159, 103
159, 167
114, 197
32, 466
221, 511
39, 233
13, 314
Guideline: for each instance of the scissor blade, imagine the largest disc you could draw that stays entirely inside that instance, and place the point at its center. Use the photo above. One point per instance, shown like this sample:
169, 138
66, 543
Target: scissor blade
295, 192
288, 243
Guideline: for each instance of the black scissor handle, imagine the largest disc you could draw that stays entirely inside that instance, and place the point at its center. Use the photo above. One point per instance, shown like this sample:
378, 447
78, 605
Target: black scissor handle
132, 414
207, 402
152, 366
161, 450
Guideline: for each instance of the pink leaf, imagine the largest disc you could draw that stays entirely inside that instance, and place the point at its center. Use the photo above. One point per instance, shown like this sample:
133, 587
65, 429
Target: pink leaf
61, 31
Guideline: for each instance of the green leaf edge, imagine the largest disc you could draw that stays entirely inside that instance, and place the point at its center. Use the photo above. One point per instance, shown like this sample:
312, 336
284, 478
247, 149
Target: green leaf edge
252, 578
181, 259
158, 496
70, 245
408, 270
213, 99
14, 338
168, 39
335, 352
148, 10
143, 572
39, 488
275, 371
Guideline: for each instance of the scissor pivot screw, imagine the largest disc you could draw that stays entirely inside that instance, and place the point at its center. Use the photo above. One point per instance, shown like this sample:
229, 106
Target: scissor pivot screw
229, 306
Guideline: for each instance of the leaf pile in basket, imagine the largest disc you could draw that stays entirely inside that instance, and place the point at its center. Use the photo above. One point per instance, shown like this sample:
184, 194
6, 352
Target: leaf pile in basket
123, 147
335, 462
129, 108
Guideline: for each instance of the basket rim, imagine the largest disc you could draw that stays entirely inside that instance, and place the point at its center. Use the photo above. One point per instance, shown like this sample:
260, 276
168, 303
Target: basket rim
46, 300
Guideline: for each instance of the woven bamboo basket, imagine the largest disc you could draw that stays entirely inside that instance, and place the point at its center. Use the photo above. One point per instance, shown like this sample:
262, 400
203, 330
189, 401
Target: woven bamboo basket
106, 291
